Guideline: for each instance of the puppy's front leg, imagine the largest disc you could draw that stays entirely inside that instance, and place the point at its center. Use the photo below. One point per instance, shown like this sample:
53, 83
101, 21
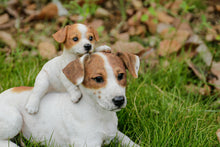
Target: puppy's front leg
125, 140
73, 90
103, 48
41, 86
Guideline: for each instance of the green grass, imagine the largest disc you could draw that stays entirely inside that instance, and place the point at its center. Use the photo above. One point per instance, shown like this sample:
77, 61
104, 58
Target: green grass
160, 112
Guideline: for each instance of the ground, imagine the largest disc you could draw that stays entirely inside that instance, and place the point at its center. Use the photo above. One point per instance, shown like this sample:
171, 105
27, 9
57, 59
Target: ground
174, 101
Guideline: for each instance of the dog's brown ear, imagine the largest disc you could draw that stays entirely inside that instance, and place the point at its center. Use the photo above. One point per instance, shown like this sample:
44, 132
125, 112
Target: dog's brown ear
60, 36
131, 62
95, 34
74, 71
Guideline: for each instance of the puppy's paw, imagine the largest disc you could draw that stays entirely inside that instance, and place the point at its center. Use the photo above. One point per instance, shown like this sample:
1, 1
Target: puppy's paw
103, 48
76, 97
32, 107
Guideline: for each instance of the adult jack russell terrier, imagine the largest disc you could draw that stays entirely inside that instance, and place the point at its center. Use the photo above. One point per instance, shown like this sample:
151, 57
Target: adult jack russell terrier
78, 40
91, 122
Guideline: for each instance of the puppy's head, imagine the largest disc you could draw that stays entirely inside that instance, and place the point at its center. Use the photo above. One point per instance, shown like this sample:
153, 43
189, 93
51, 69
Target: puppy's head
77, 38
102, 76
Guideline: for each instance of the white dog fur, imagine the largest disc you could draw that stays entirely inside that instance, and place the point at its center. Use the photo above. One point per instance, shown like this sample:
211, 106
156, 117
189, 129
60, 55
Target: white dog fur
51, 78
91, 122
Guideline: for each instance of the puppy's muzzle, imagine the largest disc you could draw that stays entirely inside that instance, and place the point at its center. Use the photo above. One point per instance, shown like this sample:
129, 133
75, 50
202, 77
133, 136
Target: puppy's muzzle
88, 47
118, 101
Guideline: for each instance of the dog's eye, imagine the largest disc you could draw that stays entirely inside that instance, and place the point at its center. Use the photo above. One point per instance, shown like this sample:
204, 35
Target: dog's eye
75, 39
90, 38
98, 79
120, 76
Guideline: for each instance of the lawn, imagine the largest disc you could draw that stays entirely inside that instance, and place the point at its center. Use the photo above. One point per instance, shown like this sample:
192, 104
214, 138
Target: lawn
160, 111
167, 103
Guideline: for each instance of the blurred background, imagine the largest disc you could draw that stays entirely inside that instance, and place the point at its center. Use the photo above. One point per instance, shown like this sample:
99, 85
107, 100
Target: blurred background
178, 42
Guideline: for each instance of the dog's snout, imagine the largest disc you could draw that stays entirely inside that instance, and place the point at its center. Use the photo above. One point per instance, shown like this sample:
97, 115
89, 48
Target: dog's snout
118, 100
87, 47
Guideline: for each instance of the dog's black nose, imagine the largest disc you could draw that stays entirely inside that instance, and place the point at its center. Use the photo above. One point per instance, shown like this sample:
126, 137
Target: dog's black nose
87, 47
118, 100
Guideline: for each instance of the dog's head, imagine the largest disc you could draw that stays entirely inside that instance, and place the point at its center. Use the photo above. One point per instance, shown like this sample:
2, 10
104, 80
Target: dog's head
77, 38
103, 77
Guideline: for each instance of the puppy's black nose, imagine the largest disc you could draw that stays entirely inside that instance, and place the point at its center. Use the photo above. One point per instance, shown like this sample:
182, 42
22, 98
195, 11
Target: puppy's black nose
118, 100
87, 47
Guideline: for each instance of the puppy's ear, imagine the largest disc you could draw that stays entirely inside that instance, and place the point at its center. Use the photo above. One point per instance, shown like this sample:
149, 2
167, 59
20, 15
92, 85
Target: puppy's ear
131, 62
74, 71
60, 36
95, 34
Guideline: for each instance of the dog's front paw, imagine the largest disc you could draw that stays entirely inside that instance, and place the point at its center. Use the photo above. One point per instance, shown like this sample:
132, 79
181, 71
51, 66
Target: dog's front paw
32, 107
76, 97
103, 48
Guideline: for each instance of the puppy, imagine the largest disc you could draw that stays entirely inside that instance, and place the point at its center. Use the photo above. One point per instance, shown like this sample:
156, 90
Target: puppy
78, 39
90, 123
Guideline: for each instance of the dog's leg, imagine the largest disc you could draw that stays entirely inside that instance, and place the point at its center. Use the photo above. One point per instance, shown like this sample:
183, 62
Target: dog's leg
10, 125
103, 48
41, 86
125, 140
73, 90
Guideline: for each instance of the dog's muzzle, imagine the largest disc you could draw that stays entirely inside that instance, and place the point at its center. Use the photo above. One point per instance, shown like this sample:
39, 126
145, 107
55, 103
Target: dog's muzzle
118, 101
87, 47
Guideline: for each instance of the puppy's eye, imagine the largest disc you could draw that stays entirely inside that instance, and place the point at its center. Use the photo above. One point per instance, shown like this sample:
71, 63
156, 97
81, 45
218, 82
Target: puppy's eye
90, 38
75, 39
98, 79
120, 76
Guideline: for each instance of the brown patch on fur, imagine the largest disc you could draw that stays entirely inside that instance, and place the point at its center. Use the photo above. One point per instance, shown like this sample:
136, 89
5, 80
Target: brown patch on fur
118, 67
21, 89
99, 92
94, 67
60, 36
94, 93
92, 32
74, 70
99, 97
71, 33
129, 61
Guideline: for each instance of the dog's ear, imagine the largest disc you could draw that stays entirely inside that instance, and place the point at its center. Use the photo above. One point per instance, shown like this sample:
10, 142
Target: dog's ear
131, 62
95, 33
60, 36
74, 71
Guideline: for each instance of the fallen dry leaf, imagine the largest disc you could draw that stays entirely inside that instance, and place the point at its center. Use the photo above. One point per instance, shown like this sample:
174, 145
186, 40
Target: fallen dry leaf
175, 7
47, 50
163, 26
10, 24
202, 49
168, 46
7, 39
195, 70
102, 13
215, 69
96, 23
131, 31
204, 52
218, 135
123, 36
131, 47
218, 8
50, 11
140, 30
164, 17
4, 18
182, 25
135, 19
152, 26
180, 35
12, 12
137, 4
